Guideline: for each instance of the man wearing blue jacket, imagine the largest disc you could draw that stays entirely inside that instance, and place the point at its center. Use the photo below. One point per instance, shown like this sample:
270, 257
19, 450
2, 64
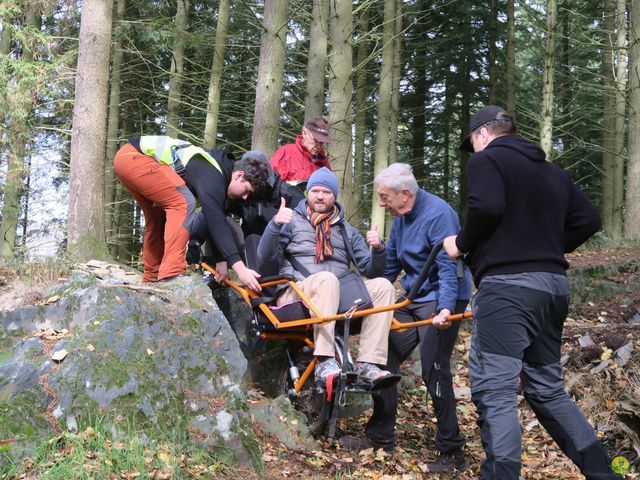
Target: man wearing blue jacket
420, 221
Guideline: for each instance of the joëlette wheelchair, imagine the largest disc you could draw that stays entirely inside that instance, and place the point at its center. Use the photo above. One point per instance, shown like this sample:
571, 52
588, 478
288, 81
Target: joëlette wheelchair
293, 323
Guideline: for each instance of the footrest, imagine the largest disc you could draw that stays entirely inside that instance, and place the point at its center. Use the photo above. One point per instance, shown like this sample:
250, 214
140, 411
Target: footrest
381, 384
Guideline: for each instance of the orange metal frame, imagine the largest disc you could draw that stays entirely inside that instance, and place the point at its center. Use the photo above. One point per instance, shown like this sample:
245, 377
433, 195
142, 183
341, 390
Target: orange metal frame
317, 317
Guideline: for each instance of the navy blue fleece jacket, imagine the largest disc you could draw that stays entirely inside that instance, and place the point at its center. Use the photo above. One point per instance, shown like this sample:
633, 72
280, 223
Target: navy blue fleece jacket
412, 238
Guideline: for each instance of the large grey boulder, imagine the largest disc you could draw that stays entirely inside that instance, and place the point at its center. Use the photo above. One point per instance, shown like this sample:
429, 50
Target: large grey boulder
162, 358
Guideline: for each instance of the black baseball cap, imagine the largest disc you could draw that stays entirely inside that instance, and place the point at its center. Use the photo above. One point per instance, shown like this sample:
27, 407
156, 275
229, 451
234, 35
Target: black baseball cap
488, 114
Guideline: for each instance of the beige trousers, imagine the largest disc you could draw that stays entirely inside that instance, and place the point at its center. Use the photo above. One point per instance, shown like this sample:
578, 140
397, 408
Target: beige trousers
323, 289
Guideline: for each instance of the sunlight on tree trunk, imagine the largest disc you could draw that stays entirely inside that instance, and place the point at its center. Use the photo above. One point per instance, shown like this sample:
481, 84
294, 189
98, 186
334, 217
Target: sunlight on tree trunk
340, 96
266, 121
85, 217
213, 102
317, 62
177, 68
546, 120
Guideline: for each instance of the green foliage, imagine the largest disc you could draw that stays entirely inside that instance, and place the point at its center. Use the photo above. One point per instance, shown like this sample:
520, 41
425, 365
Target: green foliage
97, 452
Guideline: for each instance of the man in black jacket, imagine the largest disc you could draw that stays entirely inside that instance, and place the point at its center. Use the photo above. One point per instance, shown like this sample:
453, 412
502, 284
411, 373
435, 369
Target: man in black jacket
255, 214
523, 215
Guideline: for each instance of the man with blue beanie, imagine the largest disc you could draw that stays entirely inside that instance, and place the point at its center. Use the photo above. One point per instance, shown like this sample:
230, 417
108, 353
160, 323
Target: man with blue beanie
316, 245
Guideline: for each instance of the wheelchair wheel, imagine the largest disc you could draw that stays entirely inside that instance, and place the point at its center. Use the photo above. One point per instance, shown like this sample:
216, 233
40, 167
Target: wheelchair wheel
310, 401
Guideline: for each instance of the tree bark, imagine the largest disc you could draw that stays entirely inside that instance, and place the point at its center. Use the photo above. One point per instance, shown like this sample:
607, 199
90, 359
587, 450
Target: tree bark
177, 68
19, 104
510, 69
395, 85
340, 96
85, 219
384, 108
632, 201
621, 99
112, 129
546, 120
360, 120
493, 53
213, 102
608, 118
317, 61
270, 77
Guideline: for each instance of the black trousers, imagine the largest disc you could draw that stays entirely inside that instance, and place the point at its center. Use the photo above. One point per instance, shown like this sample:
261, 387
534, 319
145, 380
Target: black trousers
516, 340
436, 347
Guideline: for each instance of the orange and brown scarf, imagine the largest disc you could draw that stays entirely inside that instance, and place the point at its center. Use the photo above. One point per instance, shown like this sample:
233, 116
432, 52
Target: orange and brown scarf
322, 223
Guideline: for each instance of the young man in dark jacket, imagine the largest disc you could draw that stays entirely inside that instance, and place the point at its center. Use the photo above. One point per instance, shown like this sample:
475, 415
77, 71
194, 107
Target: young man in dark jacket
254, 214
523, 215
163, 174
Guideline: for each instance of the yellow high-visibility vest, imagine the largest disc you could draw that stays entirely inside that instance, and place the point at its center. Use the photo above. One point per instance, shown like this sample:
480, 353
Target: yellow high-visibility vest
173, 152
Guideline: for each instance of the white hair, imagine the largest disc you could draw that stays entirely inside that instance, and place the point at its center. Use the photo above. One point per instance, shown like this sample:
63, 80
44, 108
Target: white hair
398, 177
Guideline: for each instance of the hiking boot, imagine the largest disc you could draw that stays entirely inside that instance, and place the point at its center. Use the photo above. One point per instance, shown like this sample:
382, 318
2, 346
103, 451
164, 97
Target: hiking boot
352, 443
370, 372
325, 369
447, 461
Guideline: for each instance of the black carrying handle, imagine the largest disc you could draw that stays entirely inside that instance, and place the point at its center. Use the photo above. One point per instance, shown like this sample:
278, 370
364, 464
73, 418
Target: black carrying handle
427, 265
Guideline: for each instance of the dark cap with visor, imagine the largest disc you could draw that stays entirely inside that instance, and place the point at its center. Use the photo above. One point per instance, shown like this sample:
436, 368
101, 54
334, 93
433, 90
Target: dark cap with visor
484, 116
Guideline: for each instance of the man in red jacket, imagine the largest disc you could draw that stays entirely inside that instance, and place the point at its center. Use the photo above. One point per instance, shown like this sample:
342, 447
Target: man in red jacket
297, 161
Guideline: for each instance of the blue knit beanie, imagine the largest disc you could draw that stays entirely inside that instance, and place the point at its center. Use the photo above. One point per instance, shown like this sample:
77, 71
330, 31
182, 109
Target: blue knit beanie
324, 178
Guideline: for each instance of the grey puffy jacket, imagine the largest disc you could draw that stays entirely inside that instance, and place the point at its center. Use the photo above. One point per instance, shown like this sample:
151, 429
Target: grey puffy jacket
298, 239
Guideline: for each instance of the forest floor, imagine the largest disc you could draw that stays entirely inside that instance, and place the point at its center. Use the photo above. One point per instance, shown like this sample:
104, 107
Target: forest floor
603, 389
596, 382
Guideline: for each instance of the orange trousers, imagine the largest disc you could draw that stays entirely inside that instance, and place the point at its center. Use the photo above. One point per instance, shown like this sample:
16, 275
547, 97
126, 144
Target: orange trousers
168, 207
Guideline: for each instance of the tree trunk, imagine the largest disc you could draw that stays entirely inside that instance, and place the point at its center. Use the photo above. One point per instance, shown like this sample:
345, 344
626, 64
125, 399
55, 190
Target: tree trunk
177, 68
621, 98
493, 50
266, 119
317, 61
19, 104
362, 82
85, 219
340, 96
384, 108
608, 118
632, 201
213, 102
546, 120
395, 85
510, 68
566, 93
112, 129
421, 86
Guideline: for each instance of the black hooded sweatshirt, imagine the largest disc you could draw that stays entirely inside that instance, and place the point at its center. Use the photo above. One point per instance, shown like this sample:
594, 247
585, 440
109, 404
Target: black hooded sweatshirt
523, 213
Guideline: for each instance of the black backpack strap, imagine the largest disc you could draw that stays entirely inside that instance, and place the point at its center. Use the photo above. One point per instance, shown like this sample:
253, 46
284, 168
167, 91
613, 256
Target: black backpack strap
349, 247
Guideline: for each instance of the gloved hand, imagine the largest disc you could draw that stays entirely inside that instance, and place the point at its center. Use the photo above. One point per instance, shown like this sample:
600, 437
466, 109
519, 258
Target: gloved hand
194, 253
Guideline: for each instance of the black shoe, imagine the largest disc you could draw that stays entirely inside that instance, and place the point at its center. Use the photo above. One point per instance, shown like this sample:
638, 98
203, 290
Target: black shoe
447, 462
353, 443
